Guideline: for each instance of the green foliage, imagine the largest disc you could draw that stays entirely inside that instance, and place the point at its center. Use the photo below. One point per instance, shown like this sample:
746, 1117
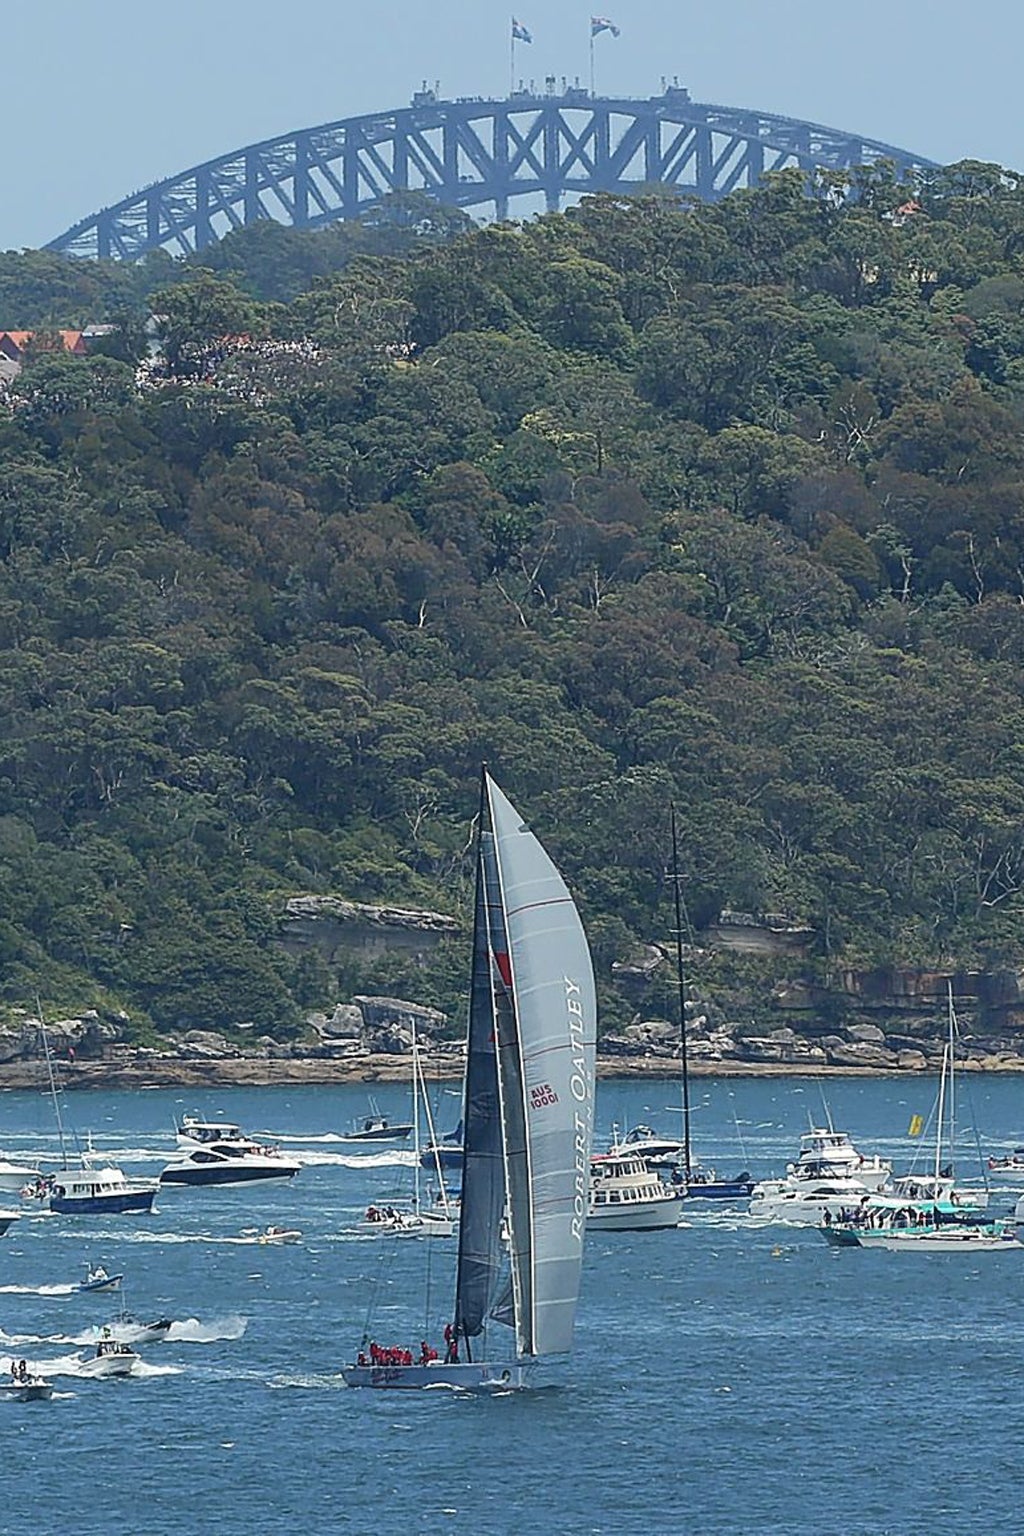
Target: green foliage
645, 503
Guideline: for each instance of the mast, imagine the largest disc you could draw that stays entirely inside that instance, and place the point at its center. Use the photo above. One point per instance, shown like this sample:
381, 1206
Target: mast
681, 979
435, 1149
415, 1125
53, 1088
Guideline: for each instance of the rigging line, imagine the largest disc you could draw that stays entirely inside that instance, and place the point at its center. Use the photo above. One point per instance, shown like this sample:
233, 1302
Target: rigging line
965, 1089
681, 978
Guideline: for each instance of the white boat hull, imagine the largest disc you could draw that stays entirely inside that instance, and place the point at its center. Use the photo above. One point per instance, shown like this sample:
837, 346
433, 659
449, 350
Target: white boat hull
102, 1366
966, 1240
465, 1376
646, 1216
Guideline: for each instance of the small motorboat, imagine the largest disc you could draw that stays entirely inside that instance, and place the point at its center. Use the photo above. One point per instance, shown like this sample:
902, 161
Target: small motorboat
25, 1386
279, 1235
97, 1279
143, 1333
112, 1358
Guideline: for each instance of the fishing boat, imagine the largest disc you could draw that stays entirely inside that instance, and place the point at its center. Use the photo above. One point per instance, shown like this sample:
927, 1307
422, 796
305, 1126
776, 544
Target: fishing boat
111, 1358
377, 1127
86, 1184
528, 1120
97, 1279
627, 1196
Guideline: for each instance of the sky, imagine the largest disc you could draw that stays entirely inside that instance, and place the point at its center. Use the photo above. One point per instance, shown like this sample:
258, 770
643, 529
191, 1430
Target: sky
102, 97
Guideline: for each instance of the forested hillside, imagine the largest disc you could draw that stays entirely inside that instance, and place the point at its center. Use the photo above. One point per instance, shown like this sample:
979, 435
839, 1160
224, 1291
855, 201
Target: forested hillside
639, 503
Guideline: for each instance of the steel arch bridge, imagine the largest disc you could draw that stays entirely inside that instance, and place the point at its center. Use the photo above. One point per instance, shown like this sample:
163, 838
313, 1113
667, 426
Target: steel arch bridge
470, 153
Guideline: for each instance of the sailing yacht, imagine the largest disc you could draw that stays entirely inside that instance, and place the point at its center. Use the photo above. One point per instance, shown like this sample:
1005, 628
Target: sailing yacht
528, 1122
434, 1219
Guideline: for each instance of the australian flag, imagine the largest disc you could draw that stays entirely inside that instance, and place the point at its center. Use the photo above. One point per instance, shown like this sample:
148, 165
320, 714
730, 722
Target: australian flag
602, 24
520, 34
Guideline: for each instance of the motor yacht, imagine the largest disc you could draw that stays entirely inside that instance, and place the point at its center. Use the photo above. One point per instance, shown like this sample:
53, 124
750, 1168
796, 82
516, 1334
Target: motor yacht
625, 1196
14, 1176
218, 1152
804, 1201
826, 1152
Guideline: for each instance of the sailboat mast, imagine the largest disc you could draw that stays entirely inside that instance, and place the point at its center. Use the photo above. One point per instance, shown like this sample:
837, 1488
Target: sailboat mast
415, 1125
53, 1090
681, 979
952, 1077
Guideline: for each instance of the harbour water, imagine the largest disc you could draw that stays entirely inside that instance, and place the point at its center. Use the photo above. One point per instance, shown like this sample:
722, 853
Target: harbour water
728, 1378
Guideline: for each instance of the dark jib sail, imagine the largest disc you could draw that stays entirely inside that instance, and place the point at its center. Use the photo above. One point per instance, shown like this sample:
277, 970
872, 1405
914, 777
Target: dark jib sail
533, 994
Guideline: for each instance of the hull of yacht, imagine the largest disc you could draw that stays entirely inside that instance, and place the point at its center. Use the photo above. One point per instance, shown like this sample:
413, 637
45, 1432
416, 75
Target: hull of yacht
805, 1208
718, 1189
118, 1202
213, 1175
963, 1240
648, 1216
14, 1177
460, 1376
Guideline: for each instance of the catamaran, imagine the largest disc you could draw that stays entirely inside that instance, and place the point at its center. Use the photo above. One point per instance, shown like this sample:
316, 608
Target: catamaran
528, 1120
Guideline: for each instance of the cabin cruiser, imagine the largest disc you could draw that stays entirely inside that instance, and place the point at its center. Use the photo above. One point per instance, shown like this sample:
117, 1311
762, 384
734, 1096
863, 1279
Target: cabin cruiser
805, 1200
656, 1151
89, 1191
14, 1176
217, 1152
828, 1152
625, 1196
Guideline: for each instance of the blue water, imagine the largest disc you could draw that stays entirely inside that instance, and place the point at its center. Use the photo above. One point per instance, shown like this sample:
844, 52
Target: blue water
728, 1378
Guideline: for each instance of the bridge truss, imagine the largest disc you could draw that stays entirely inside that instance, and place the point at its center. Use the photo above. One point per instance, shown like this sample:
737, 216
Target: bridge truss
471, 154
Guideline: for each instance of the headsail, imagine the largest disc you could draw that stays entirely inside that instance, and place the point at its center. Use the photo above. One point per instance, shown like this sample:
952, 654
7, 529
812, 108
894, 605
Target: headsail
542, 1012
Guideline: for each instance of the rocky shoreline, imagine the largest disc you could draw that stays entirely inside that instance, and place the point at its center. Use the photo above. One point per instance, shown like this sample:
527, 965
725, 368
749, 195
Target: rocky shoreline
315, 1071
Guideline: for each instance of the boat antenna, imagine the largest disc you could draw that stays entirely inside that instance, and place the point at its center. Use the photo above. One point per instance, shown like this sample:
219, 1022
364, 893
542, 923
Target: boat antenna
681, 980
53, 1084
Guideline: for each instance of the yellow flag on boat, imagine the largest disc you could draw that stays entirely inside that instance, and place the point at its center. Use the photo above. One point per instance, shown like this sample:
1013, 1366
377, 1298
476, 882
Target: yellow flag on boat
916, 1125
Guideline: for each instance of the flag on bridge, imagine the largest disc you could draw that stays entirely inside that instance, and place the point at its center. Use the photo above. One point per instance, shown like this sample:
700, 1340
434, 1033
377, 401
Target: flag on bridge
602, 24
521, 34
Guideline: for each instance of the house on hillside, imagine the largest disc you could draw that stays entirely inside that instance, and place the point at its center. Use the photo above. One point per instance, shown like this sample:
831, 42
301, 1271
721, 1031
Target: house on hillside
14, 345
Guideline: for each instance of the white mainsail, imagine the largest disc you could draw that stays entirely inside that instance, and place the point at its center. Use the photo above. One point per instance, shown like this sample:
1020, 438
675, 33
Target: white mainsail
532, 996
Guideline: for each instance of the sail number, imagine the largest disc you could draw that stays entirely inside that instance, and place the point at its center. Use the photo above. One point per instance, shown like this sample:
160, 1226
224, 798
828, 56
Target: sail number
542, 1095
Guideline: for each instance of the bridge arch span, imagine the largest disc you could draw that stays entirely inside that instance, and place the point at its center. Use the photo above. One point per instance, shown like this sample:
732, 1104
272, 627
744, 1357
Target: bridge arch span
470, 154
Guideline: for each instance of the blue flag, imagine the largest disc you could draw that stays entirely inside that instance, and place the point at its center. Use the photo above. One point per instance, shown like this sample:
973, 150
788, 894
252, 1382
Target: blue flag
520, 34
602, 24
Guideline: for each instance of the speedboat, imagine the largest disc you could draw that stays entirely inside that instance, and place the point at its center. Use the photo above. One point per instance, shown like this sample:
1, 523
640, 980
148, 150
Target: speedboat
218, 1152
112, 1358
279, 1235
97, 1279
625, 1196
128, 1329
89, 1191
7, 1219
14, 1176
1009, 1169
